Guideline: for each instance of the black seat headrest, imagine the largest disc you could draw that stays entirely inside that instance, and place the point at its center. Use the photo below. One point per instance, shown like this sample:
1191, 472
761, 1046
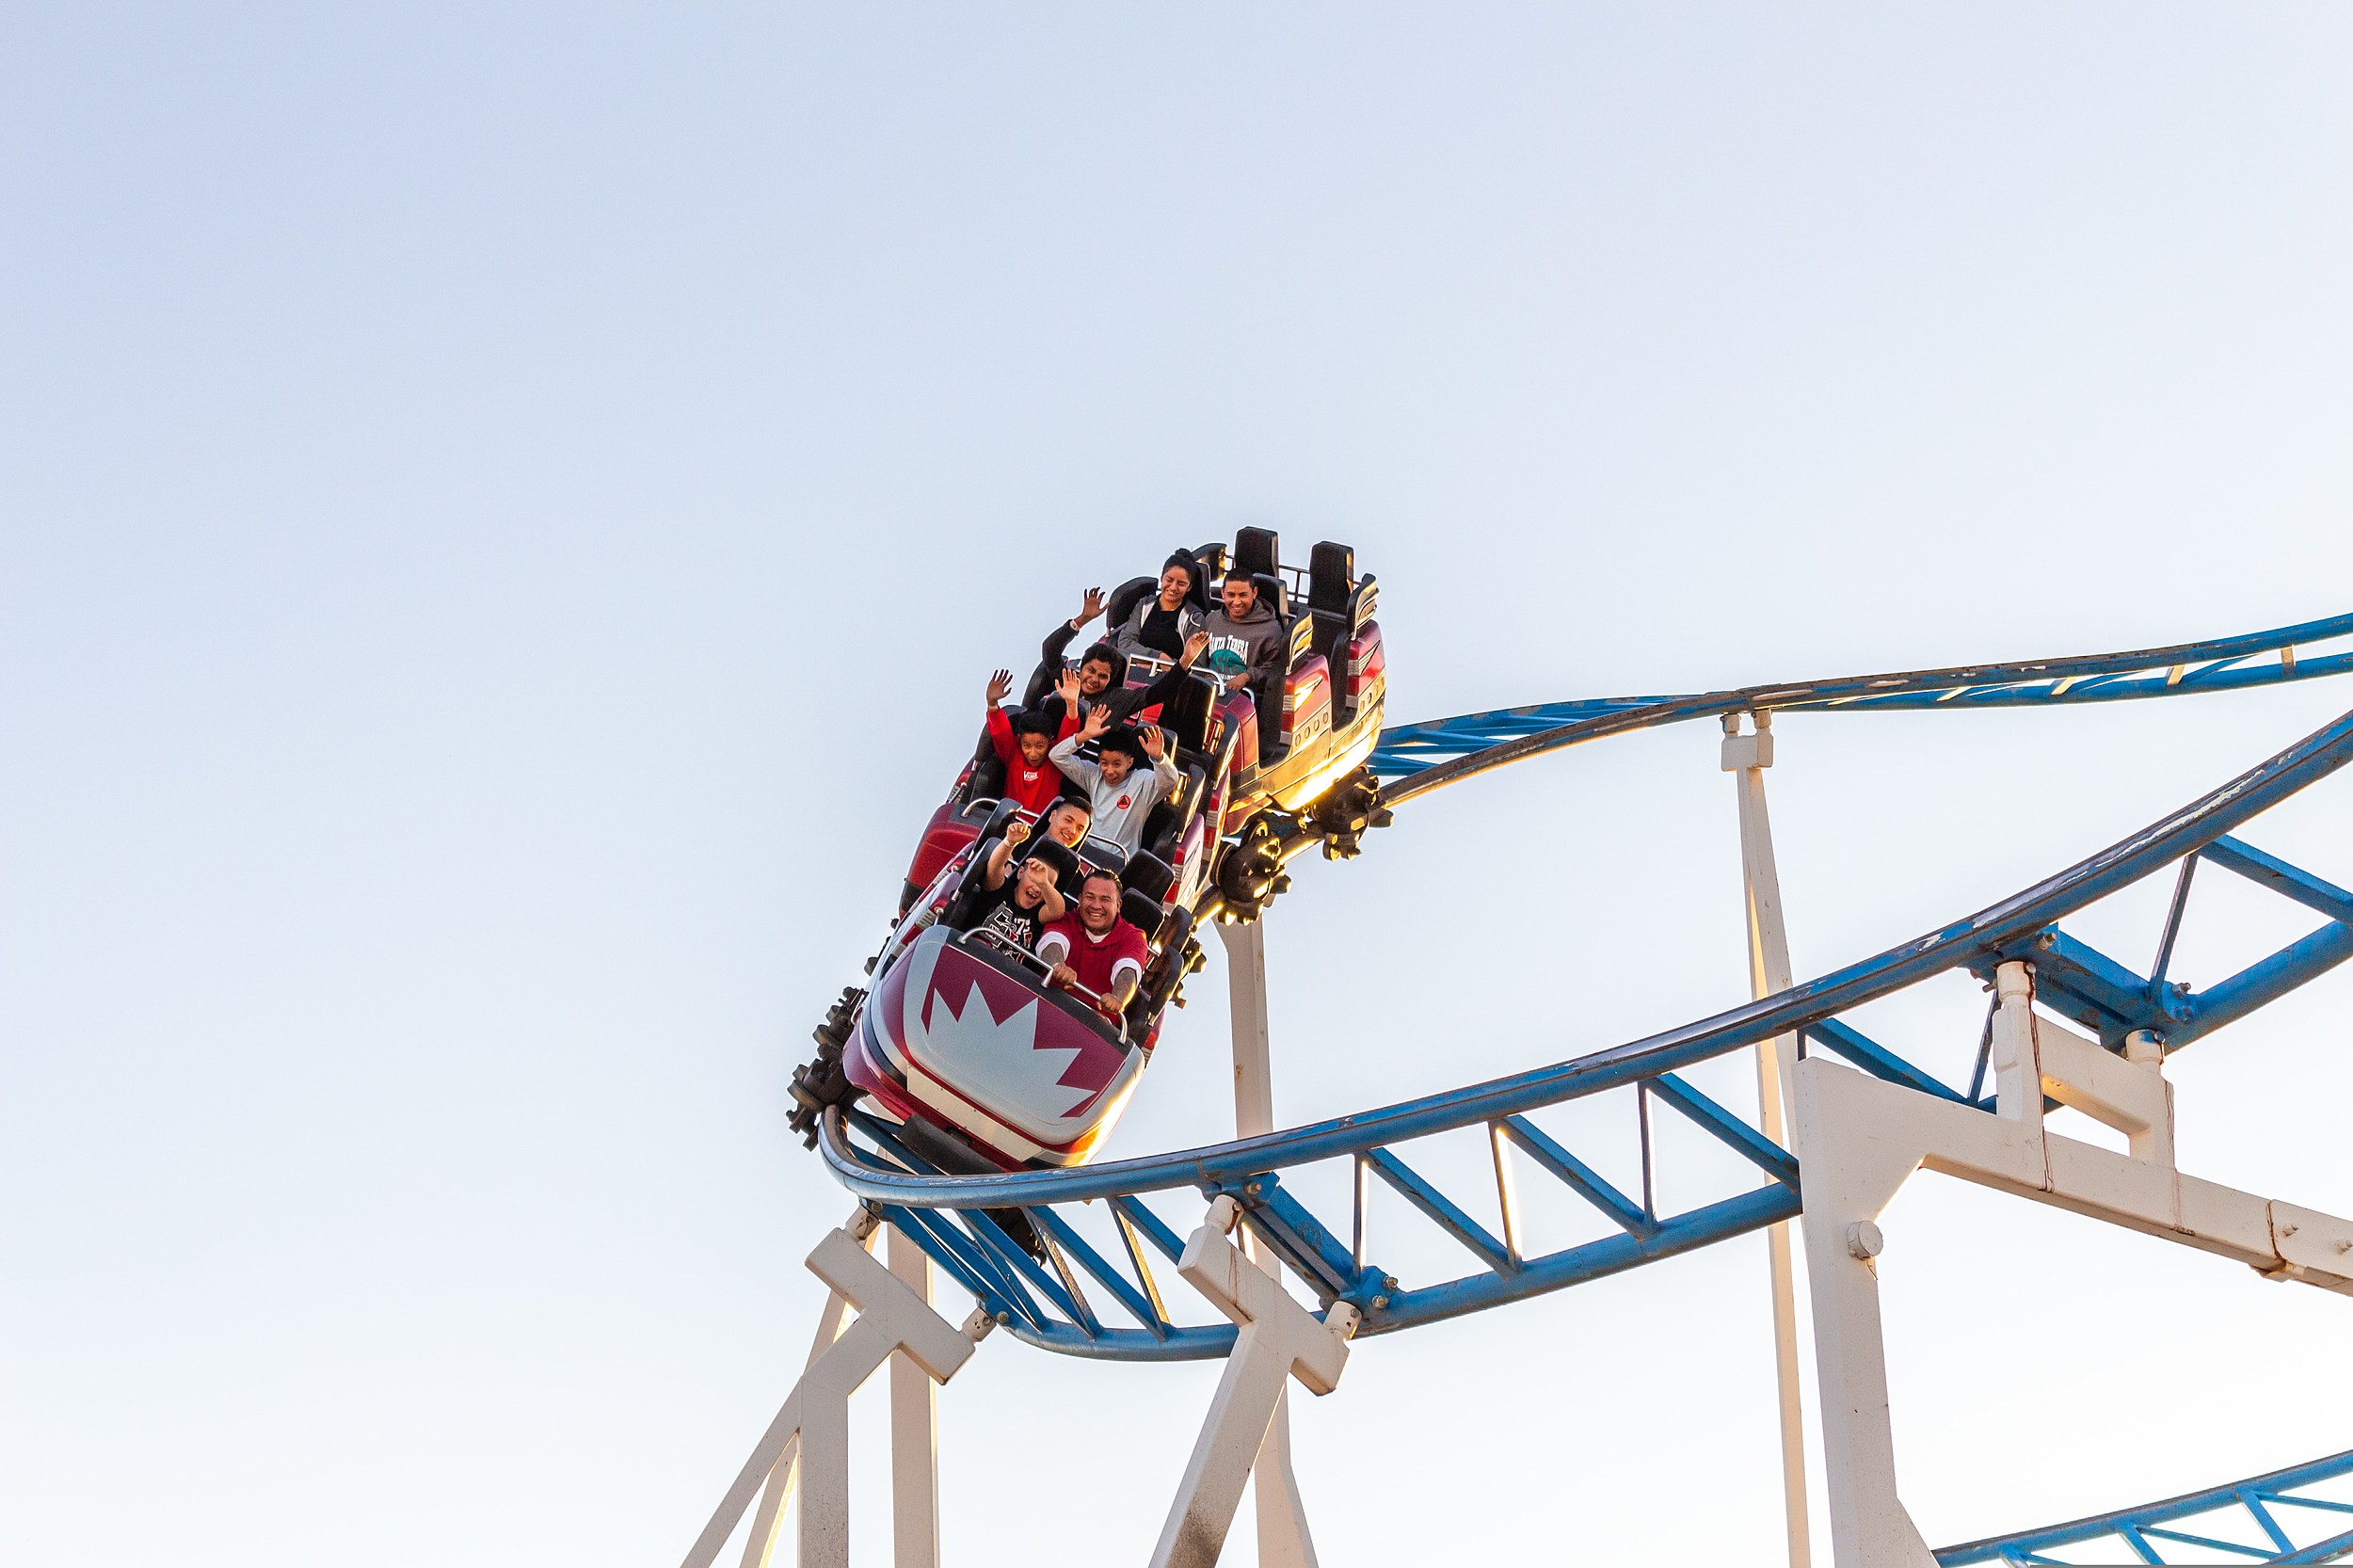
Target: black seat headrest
1055, 854
1140, 910
1124, 601
1256, 551
1271, 594
1331, 577
1185, 717
1148, 875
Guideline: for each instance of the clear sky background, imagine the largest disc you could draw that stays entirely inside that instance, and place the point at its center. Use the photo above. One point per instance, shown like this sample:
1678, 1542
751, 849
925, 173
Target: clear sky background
509, 512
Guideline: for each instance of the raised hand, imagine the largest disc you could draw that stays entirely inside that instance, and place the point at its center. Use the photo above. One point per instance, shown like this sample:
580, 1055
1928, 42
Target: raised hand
1097, 721
1195, 645
999, 686
1150, 737
1091, 606
1067, 687
1016, 833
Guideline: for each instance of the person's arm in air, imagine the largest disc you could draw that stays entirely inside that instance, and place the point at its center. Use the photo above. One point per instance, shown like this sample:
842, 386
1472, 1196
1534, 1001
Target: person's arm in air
1000, 726
999, 862
1163, 766
1068, 694
1064, 755
1164, 689
1049, 653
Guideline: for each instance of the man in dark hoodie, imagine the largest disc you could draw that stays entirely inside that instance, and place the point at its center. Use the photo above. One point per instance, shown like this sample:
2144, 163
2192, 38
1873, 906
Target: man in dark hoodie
1245, 641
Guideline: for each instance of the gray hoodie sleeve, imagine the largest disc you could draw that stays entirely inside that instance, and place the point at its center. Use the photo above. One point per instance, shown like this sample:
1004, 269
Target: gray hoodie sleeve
1064, 755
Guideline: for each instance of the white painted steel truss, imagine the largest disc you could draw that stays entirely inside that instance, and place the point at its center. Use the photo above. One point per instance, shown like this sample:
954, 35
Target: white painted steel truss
1859, 1140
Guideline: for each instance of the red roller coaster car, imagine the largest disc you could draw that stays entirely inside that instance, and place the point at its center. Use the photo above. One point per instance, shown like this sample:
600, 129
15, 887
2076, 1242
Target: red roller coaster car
962, 1042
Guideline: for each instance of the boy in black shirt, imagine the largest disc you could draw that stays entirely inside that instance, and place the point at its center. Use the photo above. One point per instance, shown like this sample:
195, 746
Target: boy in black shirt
1018, 905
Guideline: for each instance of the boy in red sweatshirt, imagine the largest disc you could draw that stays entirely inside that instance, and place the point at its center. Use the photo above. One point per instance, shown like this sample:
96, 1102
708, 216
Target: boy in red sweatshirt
1031, 781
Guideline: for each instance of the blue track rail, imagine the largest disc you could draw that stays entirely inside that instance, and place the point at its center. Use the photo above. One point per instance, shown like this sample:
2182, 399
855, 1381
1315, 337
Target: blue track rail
1427, 756
2241, 1521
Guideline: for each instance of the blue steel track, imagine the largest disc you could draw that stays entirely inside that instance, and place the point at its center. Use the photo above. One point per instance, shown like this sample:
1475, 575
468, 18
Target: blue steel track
1333, 1251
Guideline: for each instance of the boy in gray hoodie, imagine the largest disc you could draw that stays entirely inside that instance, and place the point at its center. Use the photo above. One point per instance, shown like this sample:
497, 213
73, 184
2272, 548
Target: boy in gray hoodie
1121, 795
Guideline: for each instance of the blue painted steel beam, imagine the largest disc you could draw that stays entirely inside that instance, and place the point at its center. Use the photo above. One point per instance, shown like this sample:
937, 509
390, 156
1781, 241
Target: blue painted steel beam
2228, 1001
1441, 1211
1873, 1057
2281, 878
1431, 753
2251, 1494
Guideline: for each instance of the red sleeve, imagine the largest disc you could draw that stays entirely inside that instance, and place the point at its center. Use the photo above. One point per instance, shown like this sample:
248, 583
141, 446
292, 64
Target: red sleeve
1069, 724
1064, 928
1000, 736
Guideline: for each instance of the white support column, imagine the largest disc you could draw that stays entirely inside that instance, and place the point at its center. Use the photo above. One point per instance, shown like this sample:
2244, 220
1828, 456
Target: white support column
913, 1430
1848, 1182
1747, 757
814, 1424
1278, 1339
1284, 1538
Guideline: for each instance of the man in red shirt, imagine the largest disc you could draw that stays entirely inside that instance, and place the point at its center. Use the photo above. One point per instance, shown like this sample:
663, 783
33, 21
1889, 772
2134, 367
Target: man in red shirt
1094, 947
1021, 745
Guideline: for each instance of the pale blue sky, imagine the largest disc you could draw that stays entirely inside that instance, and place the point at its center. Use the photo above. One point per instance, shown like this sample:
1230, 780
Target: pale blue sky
510, 510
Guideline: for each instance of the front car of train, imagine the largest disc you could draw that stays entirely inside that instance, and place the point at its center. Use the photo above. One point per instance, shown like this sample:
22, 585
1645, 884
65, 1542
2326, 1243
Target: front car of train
964, 1040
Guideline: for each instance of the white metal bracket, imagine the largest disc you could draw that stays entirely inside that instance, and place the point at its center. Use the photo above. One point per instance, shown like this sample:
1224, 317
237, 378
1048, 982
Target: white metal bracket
1859, 1140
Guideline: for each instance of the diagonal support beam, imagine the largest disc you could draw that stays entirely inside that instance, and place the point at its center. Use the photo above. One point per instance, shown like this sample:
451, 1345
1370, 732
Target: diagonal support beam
815, 1422
1279, 1339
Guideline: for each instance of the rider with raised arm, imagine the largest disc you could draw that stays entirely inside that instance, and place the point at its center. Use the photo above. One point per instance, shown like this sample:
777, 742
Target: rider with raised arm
1122, 797
1090, 687
1093, 947
1021, 744
1044, 679
1017, 905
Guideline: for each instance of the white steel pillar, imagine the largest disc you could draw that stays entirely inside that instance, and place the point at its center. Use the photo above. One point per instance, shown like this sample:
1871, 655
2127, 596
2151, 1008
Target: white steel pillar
1279, 1339
913, 1430
1284, 1540
1746, 758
